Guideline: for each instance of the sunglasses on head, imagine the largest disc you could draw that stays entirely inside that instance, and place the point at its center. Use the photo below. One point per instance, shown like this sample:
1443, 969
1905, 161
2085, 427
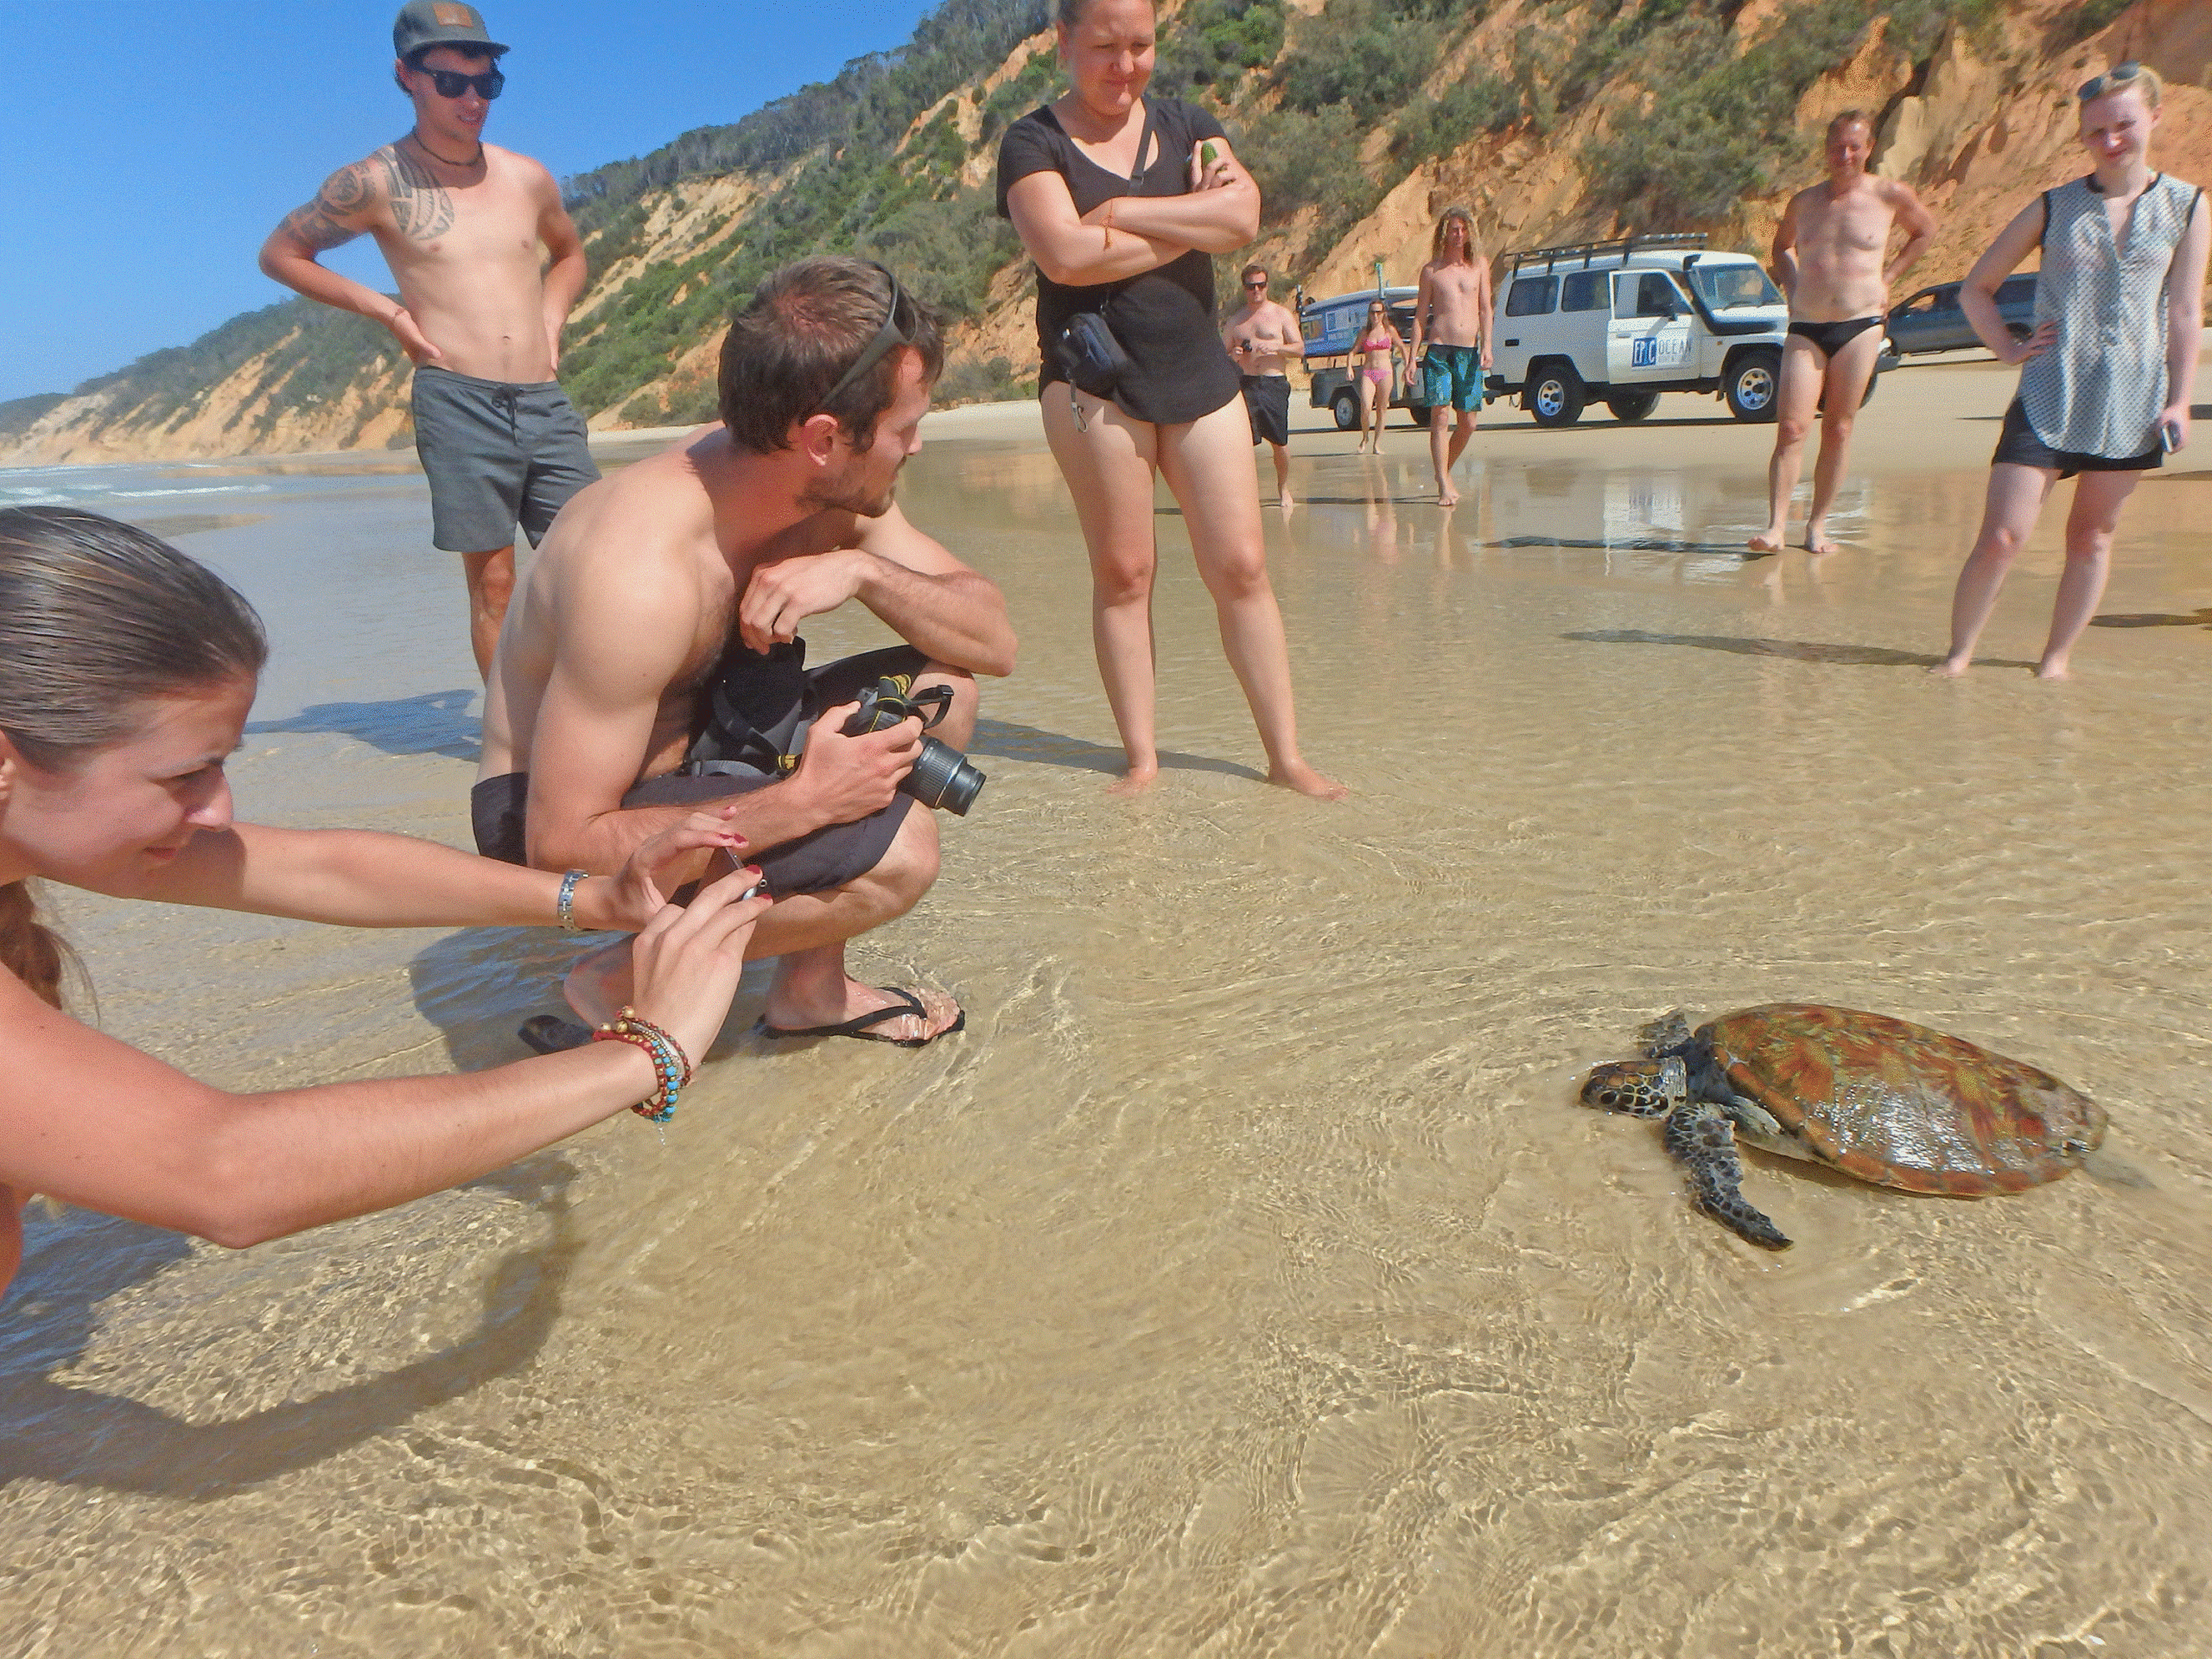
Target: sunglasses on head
890, 336
451, 83
2112, 80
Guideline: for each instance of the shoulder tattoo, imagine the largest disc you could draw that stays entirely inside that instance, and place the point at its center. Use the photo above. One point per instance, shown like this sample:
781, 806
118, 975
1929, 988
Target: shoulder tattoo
321, 224
421, 207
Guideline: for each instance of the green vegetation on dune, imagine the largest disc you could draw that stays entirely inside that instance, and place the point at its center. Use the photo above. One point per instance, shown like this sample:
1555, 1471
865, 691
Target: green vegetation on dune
1717, 126
872, 101
19, 415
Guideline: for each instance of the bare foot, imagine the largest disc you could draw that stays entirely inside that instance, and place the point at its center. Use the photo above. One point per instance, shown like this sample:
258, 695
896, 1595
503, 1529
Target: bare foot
1769, 540
1306, 781
1817, 540
1448, 497
1286, 502
2048, 669
1135, 781
939, 1013
1951, 668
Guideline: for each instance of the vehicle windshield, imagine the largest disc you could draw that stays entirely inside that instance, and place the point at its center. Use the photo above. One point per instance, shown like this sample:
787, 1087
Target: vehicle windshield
1726, 288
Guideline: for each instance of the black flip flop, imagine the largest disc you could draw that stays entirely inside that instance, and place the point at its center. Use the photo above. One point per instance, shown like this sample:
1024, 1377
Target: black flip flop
549, 1033
858, 1025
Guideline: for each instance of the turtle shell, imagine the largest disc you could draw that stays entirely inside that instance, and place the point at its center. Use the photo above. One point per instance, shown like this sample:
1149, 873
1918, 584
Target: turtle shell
1900, 1105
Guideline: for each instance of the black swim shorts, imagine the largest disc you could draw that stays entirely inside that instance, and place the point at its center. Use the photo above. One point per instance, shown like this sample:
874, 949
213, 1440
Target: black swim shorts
1266, 402
830, 857
2018, 446
497, 455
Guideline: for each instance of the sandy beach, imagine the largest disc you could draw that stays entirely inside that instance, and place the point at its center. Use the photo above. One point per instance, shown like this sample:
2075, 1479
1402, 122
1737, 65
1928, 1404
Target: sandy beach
1245, 1279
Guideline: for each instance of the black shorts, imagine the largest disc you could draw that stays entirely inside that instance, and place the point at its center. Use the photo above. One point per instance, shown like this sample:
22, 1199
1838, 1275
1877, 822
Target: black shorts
2018, 444
1266, 402
829, 857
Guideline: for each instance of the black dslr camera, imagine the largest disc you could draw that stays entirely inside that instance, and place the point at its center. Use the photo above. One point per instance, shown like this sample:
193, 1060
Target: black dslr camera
942, 775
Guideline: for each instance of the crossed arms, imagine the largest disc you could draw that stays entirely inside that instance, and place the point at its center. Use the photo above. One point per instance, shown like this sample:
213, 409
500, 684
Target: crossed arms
1127, 236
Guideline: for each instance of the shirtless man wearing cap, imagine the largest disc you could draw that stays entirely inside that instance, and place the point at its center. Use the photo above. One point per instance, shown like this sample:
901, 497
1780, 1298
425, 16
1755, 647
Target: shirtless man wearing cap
1828, 256
460, 223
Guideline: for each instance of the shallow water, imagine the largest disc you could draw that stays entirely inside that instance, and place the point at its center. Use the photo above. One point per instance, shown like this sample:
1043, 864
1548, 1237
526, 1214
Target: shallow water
1245, 1279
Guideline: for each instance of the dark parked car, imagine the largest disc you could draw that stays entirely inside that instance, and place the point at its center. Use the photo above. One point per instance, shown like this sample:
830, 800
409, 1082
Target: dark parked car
1931, 320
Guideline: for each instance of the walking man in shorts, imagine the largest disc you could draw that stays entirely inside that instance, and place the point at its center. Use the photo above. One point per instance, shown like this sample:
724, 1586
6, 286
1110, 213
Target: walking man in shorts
1452, 319
652, 666
460, 223
1262, 337
1828, 258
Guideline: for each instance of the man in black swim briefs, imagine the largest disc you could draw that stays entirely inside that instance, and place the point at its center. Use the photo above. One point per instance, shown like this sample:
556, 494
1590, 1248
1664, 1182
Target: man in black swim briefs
1828, 254
652, 662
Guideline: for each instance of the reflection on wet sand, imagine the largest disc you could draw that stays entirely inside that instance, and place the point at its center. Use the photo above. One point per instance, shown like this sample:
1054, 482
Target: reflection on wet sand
1247, 1279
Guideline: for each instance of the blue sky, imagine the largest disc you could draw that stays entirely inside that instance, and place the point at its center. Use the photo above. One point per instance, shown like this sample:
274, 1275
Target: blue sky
150, 145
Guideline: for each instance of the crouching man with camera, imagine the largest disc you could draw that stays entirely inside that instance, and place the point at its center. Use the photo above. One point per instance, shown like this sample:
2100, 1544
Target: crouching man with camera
652, 668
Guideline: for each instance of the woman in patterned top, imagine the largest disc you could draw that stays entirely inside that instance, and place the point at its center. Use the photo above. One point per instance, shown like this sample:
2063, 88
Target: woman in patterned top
2110, 366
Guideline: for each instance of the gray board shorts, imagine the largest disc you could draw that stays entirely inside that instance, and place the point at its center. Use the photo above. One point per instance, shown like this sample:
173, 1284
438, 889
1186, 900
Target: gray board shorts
497, 455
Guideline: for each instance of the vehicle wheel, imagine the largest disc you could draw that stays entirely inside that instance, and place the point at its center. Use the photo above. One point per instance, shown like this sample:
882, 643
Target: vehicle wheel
1556, 395
1632, 405
1867, 396
1417, 415
1345, 407
2017, 330
1752, 382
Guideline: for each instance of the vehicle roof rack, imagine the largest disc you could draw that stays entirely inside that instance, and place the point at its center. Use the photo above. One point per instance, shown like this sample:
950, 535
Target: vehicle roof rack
1619, 247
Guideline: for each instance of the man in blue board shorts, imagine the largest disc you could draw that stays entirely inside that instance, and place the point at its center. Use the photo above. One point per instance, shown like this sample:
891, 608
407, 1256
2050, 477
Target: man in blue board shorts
1451, 319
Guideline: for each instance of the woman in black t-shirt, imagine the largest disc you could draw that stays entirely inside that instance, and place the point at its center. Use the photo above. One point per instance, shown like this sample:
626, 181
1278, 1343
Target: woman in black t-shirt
1121, 201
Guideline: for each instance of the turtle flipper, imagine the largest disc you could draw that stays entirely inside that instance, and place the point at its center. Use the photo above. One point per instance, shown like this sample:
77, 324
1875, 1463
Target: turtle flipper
1700, 1135
1664, 1035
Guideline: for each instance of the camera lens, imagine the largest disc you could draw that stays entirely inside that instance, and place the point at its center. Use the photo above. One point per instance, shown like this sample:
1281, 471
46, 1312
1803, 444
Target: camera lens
943, 777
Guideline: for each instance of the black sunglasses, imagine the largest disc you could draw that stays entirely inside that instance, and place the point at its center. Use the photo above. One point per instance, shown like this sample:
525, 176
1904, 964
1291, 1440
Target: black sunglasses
2112, 79
1256, 281
451, 83
887, 337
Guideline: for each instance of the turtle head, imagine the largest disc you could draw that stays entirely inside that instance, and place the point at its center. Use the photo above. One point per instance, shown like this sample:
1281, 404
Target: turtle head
1640, 1088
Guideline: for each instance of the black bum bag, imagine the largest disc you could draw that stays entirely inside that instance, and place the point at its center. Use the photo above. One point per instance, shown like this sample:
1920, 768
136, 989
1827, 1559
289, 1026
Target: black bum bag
1093, 360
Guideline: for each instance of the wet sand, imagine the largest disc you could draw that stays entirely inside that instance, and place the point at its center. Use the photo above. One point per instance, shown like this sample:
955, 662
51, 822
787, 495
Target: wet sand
1245, 1279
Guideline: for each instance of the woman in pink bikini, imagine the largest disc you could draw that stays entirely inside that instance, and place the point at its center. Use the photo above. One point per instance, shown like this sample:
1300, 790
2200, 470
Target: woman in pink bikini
1375, 353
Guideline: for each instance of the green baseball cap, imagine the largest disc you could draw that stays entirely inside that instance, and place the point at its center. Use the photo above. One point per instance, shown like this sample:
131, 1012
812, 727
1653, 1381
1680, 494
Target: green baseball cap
441, 23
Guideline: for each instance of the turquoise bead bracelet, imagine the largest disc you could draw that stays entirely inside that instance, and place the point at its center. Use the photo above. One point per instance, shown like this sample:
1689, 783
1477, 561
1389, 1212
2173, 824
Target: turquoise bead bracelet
671, 1066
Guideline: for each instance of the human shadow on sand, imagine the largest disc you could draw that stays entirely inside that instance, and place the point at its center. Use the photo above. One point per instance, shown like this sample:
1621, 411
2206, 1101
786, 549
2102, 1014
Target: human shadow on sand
1803, 651
436, 722
79, 1437
2154, 619
1014, 742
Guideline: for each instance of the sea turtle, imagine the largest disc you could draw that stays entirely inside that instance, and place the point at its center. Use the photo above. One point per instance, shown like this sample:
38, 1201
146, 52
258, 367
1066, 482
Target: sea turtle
1887, 1101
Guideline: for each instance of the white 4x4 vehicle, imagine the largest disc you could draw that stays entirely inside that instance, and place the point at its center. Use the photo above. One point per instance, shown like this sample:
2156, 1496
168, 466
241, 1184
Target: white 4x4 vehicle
1622, 321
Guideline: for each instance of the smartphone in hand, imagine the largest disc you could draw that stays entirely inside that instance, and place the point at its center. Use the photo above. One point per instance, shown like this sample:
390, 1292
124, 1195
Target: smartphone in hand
2168, 435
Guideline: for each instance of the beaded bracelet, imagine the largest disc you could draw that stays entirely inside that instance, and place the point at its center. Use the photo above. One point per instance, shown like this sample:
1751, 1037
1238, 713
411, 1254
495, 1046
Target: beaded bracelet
631, 1020
672, 1068
565, 907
